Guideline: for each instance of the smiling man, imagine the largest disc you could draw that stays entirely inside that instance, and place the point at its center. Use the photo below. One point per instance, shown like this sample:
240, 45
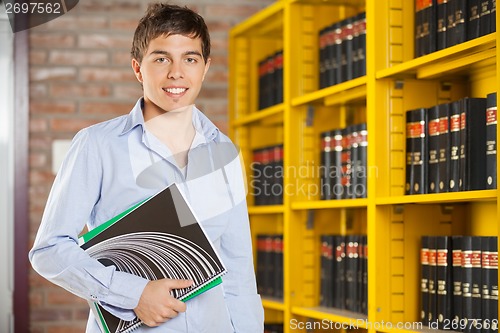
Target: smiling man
113, 165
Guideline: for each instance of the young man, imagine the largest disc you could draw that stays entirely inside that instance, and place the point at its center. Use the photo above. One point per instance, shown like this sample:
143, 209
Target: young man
115, 164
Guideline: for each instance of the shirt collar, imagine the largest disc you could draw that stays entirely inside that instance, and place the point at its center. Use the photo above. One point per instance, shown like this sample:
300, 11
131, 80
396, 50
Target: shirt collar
201, 123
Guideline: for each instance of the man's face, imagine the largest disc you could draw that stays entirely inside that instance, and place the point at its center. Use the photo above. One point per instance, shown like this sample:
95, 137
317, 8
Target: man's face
171, 72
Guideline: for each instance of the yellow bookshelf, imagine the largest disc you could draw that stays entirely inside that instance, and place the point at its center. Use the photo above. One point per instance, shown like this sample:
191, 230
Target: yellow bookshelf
395, 82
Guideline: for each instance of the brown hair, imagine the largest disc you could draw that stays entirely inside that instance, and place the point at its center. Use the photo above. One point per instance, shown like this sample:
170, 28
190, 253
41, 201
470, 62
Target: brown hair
163, 19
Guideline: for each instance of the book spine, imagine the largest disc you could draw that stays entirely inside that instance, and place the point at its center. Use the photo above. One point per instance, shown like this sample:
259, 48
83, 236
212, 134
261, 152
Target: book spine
336, 172
450, 25
418, 28
351, 272
467, 283
339, 294
417, 134
457, 280
429, 26
463, 146
441, 24
347, 49
491, 141
444, 281
354, 143
337, 53
326, 165
361, 171
346, 162
475, 150
444, 147
432, 312
454, 181
331, 63
424, 280
485, 284
485, 16
477, 314
493, 284
475, 18
278, 76
323, 270
460, 21
433, 149
362, 45
322, 58
278, 266
493, 16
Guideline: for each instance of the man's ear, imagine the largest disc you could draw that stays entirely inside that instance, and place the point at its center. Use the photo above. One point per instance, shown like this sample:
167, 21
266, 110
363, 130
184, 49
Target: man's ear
207, 66
136, 66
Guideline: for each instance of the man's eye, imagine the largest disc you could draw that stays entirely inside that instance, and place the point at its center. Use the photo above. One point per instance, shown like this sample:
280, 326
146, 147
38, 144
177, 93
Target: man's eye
191, 60
161, 60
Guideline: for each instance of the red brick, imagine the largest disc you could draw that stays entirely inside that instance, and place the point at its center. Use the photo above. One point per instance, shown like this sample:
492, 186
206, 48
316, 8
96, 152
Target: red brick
75, 22
74, 57
107, 41
108, 6
79, 90
70, 124
122, 57
121, 23
50, 315
60, 296
37, 160
217, 75
51, 40
52, 73
38, 89
38, 57
106, 108
107, 74
36, 299
209, 91
37, 125
40, 177
126, 92
52, 107
73, 327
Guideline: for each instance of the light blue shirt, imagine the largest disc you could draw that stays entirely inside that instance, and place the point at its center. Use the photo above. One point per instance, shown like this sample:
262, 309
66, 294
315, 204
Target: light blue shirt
118, 163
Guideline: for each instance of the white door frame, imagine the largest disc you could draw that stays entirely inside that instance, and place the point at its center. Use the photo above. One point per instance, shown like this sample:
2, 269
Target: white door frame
6, 175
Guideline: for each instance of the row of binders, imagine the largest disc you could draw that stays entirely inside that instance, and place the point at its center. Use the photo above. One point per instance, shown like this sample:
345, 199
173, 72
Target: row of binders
343, 165
273, 327
267, 171
271, 80
344, 274
459, 283
342, 51
452, 146
269, 270
443, 23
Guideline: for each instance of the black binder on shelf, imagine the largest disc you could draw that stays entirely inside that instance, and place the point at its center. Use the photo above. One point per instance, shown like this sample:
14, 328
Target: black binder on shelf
444, 285
456, 244
416, 151
441, 24
142, 241
454, 163
444, 147
491, 141
474, 143
476, 18
424, 280
433, 176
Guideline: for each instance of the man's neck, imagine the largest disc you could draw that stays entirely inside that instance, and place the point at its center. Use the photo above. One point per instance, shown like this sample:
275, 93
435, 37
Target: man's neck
175, 129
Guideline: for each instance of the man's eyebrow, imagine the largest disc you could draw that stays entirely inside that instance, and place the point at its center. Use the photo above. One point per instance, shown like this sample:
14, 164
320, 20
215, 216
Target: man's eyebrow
166, 53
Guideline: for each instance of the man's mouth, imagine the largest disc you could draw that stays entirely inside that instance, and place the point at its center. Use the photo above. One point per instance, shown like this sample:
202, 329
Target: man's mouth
175, 91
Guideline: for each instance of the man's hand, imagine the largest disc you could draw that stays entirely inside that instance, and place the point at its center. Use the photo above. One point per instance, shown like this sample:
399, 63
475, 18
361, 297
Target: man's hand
157, 305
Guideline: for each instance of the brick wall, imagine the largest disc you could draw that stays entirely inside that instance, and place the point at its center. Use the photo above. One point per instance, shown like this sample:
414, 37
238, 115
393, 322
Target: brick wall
80, 74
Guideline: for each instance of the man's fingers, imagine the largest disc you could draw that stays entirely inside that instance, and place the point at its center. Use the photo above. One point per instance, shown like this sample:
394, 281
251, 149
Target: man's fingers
179, 284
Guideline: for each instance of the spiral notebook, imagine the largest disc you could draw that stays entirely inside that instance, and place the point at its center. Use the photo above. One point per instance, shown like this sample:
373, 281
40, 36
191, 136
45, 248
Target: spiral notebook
159, 237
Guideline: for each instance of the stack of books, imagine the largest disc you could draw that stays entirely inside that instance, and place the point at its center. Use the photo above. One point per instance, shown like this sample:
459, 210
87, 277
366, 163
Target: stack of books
452, 146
